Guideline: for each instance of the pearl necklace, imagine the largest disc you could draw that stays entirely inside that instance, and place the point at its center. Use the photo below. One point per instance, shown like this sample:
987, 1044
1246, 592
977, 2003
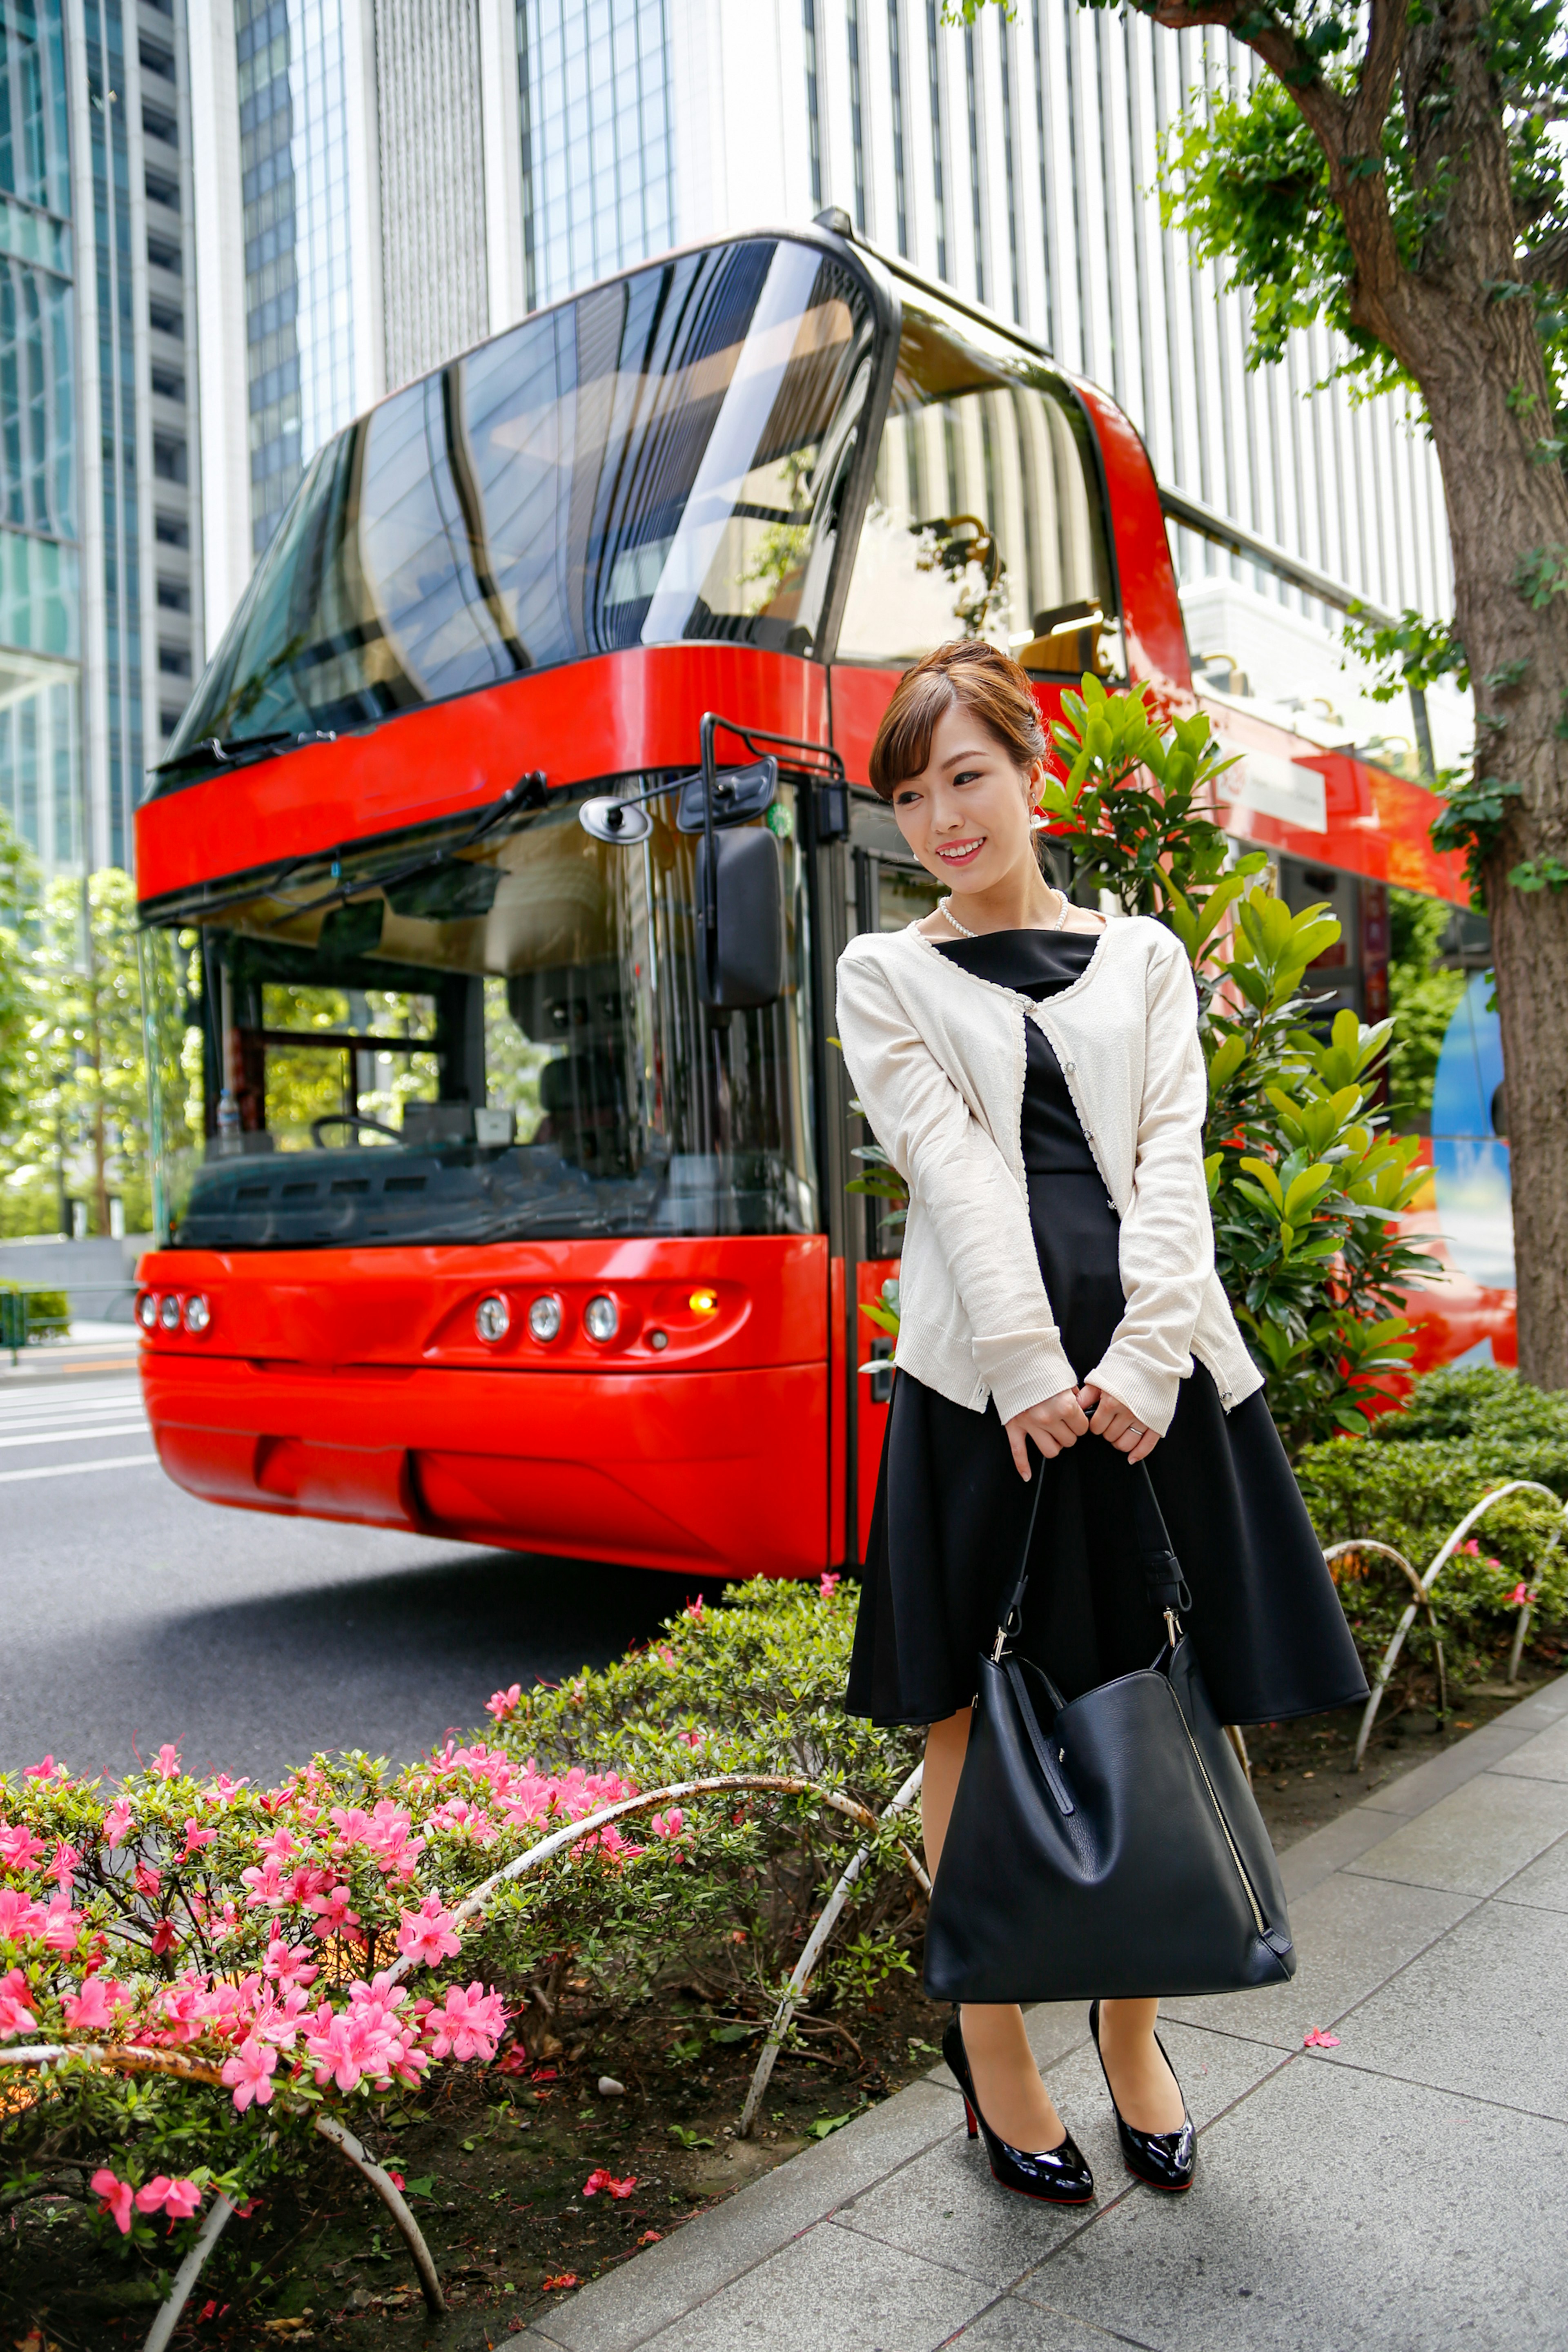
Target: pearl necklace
944, 908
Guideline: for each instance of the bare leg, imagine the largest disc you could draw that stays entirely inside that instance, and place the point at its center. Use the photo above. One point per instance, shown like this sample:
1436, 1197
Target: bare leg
1143, 2086
1006, 2080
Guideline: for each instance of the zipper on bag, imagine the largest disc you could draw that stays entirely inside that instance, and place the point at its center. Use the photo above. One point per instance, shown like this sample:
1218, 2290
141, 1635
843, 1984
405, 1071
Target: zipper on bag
1257, 1919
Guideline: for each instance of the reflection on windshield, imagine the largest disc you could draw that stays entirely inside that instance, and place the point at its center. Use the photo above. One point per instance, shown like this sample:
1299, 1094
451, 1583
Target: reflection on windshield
985, 520
660, 459
511, 1045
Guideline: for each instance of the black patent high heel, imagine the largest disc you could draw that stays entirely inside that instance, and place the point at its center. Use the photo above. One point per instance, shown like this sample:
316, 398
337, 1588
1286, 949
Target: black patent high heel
1053, 2176
1164, 2159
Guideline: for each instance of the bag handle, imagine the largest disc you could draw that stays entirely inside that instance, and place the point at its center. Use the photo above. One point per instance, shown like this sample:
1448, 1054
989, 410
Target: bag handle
1163, 1578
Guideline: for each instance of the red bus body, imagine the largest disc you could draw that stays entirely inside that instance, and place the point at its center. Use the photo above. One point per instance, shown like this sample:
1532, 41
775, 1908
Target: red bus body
350, 1384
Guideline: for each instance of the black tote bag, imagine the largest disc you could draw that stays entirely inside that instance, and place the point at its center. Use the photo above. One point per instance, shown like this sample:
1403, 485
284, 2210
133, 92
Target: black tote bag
1109, 1846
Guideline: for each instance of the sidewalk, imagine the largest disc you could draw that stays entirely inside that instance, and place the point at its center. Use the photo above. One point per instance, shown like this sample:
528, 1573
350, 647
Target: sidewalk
91, 1347
1404, 2192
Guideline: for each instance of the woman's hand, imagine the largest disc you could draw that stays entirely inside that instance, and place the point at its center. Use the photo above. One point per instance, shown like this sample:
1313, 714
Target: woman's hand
1113, 1422
1059, 1423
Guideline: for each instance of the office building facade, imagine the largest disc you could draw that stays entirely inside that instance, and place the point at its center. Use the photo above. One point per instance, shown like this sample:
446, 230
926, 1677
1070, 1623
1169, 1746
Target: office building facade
99, 540
387, 181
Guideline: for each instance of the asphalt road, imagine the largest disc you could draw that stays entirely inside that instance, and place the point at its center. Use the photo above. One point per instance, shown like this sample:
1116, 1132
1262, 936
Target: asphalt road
130, 1613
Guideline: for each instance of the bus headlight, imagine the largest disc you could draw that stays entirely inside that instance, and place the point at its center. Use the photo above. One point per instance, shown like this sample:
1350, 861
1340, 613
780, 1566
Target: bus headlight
147, 1310
545, 1318
198, 1314
168, 1312
602, 1318
492, 1319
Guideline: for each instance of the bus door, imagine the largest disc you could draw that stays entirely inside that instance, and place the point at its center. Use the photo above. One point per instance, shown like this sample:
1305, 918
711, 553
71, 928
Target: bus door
889, 891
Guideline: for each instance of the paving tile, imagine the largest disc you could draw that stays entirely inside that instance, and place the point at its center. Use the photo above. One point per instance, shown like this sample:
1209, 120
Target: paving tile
1313, 1859
1545, 1706
1310, 2228
629, 2304
831, 2290
1472, 1841
1478, 2013
1414, 1791
1352, 1934
1545, 1886
946, 2206
1012, 2326
1542, 1758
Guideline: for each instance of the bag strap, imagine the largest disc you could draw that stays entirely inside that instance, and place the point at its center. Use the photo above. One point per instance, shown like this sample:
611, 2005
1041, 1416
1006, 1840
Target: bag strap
1163, 1578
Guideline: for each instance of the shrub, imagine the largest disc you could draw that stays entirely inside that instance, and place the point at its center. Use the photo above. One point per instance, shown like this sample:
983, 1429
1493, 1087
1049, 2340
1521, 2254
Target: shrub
233, 1948
1464, 1431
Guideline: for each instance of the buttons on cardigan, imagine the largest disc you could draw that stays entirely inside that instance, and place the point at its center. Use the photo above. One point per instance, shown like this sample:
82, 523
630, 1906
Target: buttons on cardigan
1069, 1069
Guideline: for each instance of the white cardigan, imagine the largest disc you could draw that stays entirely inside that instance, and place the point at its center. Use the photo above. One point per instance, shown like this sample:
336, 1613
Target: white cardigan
938, 1060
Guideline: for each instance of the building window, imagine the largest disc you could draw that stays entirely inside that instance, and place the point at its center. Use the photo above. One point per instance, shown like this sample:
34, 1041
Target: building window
168, 385
857, 114
172, 530
813, 98
1009, 147
598, 145
169, 459
1043, 143
174, 597
173, 661
938, 179
896, 83
976, 207
164, 322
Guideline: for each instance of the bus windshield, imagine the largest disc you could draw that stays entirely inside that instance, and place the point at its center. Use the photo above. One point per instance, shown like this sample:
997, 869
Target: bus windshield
662, 459
504, 1046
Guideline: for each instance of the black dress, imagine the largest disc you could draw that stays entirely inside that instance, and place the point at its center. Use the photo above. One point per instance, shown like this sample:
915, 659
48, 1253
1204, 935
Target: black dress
951, 1510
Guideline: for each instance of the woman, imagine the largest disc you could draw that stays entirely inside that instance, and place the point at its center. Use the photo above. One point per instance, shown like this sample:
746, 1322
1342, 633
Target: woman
1034, 1071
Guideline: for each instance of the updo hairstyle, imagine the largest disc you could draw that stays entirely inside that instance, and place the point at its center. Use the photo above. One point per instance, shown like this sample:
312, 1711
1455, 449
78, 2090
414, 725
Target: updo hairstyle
985, 681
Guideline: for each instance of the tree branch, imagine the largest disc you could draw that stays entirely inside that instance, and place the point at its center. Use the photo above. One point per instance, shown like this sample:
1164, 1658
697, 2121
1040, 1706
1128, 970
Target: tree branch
1547, 263
1379, 71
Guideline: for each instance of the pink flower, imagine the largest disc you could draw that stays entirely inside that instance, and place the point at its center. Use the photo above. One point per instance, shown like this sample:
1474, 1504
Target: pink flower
16, 2017
694, 1610
178, 2198
668, 1826
1472, 1547
468, 2025
690, 1739
602, 2180
425, 1935
829, 1585
665, 1654
278, 1847
64, 1925
48, 1770
165, 1937
167, 1766
20, 1917
397, 2181
116, 2196
1521, 1597
1313, 2040
195, 1838
117, 1821
504, 1703
148, 1880
20, 1849
286, 1966
223, 1788
265, 1884
62, 1868
332, 1910
88, 2011
249, 2074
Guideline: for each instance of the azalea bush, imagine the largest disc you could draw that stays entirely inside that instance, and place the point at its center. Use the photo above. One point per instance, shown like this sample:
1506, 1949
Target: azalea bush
223, 1964
1463, 1432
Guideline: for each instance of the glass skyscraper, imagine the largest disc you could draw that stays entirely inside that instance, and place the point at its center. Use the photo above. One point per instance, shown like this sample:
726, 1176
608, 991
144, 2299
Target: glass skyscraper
598, 144
40, 557
299, 281
100, 636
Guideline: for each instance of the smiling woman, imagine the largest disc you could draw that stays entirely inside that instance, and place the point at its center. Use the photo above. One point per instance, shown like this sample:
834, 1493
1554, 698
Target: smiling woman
1034, 1074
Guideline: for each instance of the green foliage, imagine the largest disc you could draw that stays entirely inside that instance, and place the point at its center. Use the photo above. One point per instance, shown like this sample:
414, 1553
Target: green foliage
177, 1899
1303, 1174
1465, 1430
1411, 652
17, 883
1423, 997
79, 1095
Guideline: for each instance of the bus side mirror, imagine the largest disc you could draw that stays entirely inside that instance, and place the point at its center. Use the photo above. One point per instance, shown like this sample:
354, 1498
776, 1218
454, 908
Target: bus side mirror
740, 898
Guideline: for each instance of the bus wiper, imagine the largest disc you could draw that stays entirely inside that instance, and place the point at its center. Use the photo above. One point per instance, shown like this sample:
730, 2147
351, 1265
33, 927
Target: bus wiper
239, 751
528, 792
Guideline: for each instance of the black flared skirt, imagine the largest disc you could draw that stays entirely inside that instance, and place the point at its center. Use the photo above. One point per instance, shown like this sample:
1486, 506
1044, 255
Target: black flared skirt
951, 1512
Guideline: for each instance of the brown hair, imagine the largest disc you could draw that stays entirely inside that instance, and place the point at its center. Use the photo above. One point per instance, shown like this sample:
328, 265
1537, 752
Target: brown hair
968, 671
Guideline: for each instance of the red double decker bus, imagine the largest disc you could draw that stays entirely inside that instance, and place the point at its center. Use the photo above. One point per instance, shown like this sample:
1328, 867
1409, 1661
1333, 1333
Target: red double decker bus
493, 886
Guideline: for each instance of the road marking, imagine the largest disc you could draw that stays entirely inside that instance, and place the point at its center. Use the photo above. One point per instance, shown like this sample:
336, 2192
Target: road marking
76, 1436
69, 1469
